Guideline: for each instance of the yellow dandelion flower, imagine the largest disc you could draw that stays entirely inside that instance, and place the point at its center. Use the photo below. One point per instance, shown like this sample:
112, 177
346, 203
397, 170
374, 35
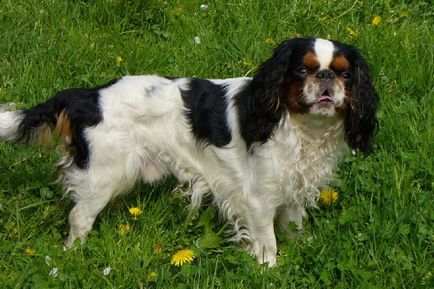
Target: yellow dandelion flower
135, 212
329, 196
124, 228
118, 60
29, 251
182, 256
351, 32
376, 20
269, 41
247, 63
152, 276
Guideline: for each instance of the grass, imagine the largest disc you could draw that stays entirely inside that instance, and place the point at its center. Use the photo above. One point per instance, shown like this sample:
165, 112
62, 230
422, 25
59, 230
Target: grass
379, 234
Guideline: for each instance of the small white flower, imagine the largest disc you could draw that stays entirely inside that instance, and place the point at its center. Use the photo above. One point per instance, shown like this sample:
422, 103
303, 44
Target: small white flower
309, 240
203, 7
53, 272
106, 271
197, 40
48, 260
353, 152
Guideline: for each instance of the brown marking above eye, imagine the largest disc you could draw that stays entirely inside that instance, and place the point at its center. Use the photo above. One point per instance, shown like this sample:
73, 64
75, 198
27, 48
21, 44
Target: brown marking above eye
310, 61
340, 63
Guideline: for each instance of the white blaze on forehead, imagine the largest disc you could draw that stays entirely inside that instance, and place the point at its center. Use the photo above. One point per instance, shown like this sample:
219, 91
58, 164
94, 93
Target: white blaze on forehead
324, 52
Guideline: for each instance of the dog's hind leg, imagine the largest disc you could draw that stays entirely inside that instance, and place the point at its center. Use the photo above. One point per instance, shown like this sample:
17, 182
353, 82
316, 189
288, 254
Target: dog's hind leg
82, 217
91, 190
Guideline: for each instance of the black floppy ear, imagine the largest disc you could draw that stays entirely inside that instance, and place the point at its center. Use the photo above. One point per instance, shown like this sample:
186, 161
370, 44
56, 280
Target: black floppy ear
360, 121
259, 106
270, 77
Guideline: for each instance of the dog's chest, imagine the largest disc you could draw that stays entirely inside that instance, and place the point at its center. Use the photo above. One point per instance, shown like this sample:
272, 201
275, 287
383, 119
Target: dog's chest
302, 164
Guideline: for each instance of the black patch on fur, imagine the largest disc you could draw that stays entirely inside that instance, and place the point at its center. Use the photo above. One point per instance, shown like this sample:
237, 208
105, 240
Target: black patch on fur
260, 105
206, 110
81, 106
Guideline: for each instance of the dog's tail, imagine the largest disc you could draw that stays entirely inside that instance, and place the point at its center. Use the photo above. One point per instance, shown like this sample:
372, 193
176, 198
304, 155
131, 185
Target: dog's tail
9, 123
37, 125
65, 116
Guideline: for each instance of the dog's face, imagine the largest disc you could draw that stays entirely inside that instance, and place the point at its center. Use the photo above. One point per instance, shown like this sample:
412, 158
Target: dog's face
318, 80
324, 79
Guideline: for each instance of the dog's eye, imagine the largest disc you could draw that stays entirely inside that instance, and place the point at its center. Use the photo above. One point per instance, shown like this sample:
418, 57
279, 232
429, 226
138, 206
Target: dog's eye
301, 70
346, 75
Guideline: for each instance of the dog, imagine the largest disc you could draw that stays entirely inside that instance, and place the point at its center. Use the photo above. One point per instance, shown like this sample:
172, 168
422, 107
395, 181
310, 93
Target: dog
262, 147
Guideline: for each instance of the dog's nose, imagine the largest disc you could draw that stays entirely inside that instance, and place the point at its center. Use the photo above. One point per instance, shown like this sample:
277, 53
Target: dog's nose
325, 74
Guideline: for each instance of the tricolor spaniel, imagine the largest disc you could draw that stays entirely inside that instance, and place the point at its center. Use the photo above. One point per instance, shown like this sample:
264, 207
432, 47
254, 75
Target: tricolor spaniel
261, 146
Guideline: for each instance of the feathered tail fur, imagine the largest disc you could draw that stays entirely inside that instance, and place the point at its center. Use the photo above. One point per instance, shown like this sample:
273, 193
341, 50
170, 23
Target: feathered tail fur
66, 115
9, 123
36, 125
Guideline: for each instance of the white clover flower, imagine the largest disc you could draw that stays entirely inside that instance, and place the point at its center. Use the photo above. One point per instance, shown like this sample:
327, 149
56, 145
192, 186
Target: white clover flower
53, 272
106, 271
48, 260
197, 39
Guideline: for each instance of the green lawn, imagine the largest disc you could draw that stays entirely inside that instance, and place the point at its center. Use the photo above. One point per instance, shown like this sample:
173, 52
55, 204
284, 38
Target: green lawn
379, 233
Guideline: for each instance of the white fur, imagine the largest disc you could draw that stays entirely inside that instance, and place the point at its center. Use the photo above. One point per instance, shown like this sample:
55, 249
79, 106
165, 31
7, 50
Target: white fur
324, 52
9, 123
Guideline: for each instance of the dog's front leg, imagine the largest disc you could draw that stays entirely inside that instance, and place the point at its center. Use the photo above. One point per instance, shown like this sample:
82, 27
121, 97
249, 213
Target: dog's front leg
261, 229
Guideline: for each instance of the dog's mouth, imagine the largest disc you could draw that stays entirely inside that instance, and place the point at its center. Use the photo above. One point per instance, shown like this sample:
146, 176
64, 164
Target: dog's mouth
325, 97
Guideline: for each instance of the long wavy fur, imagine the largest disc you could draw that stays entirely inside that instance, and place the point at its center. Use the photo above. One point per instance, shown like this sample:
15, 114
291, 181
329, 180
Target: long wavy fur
360, 121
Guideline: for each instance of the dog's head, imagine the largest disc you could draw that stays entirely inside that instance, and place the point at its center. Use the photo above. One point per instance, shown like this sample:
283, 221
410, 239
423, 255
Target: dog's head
322, 78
